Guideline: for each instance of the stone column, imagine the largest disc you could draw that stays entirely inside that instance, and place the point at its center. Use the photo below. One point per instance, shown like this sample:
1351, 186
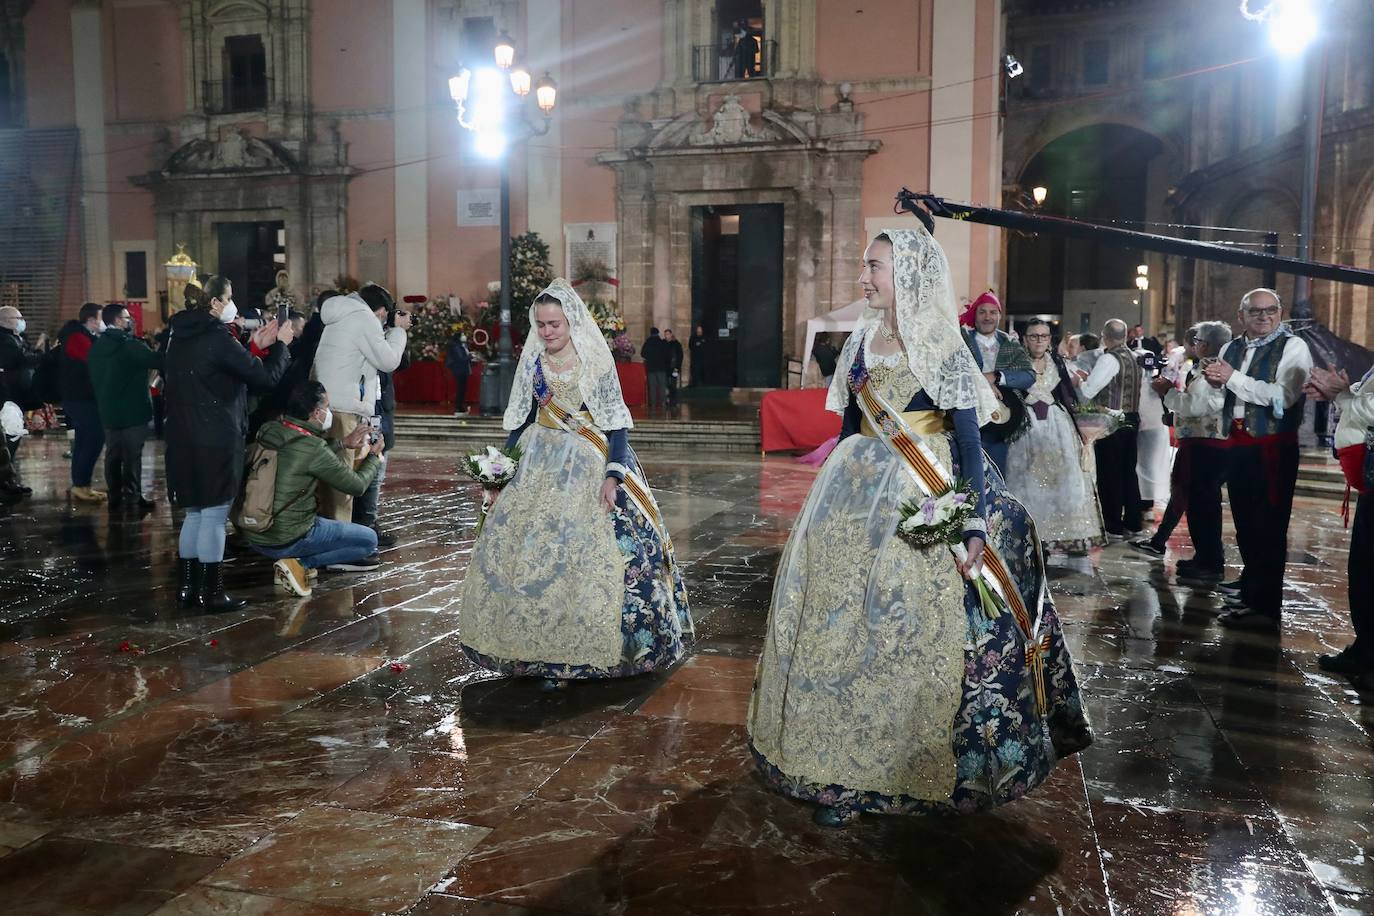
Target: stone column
543, 159
954, 71
410, 123
88, 76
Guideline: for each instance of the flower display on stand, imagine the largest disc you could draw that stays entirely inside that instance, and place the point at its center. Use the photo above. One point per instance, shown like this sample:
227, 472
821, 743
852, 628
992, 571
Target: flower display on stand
597, 289
433, 324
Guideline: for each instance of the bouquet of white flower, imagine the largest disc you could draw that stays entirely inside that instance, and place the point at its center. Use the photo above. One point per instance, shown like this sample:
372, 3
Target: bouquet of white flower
493, 469
1097, 422
937, 521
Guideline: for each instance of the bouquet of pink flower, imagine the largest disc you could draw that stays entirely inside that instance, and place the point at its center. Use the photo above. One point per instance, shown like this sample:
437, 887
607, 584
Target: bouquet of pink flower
493, 469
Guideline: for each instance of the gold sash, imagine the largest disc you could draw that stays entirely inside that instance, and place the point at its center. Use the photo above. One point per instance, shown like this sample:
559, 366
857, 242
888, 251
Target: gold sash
921, 422
892, 428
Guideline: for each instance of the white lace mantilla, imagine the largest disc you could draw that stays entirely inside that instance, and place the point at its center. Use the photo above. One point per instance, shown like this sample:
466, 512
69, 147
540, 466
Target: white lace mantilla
599, 383
929, 328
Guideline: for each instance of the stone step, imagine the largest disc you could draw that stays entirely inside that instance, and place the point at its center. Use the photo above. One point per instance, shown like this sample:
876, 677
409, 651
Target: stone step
648, 435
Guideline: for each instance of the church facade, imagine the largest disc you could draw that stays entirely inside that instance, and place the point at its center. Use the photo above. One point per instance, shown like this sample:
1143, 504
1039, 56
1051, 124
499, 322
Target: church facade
729, 188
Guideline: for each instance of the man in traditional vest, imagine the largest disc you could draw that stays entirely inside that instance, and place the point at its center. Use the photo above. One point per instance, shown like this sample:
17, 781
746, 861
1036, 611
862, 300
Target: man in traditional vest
1003, 360
1262, 374
1116, 382
1355, 661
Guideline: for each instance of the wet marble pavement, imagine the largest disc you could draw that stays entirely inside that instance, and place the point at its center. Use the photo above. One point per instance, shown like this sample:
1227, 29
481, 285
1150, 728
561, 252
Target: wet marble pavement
339, 755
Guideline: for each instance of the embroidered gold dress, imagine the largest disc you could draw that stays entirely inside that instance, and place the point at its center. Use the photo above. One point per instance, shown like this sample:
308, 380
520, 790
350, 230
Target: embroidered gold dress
1046, 470
883, 685
558, 587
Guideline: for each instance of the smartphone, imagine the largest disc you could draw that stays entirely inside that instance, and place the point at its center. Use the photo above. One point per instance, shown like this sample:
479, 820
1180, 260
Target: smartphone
283, 315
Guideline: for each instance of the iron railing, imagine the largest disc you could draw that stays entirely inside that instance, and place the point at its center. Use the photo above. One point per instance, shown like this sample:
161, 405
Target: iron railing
719, 63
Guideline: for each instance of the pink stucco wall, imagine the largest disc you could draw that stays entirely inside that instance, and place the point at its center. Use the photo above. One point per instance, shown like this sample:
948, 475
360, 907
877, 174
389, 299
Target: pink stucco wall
48, 65
873, 39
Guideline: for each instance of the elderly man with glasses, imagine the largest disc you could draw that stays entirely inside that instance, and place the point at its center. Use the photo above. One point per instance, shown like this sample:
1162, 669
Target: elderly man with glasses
1262, 374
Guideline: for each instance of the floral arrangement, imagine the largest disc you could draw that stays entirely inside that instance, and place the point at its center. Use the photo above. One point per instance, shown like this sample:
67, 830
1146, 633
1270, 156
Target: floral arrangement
938, 520
433, 324
621, 347
493, 469
1097, 422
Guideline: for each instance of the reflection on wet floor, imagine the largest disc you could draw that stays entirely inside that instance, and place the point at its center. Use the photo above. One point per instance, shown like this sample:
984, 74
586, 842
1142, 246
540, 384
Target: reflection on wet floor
275, 760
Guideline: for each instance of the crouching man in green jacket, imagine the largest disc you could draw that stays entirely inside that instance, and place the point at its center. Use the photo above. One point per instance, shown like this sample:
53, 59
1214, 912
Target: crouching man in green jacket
299, 540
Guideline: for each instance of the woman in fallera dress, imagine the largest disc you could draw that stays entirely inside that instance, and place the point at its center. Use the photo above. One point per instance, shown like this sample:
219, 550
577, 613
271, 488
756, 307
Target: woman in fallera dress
572, 576
1046, 464
886, 684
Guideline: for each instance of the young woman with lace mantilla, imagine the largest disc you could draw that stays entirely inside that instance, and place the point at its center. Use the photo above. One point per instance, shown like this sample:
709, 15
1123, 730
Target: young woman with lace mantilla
573, 574
888, 683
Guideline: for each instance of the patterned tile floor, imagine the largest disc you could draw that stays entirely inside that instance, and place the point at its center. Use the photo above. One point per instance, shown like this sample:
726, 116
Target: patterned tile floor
273, 761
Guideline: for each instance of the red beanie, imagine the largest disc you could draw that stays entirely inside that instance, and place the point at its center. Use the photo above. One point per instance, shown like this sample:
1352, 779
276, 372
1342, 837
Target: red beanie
970, 314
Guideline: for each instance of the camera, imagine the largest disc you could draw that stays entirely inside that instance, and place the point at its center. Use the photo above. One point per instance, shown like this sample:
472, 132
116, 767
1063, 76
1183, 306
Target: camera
1149, 363
374, 434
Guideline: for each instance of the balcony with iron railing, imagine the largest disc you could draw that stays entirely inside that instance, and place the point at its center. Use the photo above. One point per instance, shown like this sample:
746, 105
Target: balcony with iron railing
229, 96
721, 64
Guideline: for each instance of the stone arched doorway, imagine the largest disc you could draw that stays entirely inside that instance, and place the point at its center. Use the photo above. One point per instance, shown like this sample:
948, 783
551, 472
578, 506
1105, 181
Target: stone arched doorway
1106, 173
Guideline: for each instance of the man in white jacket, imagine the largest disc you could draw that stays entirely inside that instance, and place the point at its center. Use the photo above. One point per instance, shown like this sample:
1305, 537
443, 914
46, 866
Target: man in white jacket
353, 349
1355, 661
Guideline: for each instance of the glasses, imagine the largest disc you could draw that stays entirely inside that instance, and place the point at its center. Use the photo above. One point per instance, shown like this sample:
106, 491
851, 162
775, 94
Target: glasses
1037, 336
1263, 313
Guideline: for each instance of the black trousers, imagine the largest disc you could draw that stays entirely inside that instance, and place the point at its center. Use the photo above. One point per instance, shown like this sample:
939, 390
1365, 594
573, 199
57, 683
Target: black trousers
1179, 475
460, 399
1206, 474
1260, 482
1360, 570
1118, 487
124, 462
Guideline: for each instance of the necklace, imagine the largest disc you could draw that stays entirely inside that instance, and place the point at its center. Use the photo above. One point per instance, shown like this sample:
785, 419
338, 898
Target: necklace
888, 335
561, 364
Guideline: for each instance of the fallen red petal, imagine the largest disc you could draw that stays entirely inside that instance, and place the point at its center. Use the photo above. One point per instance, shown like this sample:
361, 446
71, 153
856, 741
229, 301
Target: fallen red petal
398, 666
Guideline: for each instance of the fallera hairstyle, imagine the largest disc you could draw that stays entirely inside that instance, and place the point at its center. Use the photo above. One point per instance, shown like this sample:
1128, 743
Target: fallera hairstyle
304, 399
88, 311
110, 313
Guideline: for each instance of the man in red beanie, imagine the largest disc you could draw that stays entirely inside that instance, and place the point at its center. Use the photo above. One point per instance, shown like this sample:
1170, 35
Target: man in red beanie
1005, 364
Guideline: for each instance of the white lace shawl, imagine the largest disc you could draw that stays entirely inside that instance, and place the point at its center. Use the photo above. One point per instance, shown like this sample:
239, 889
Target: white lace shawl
600, 385
927, 320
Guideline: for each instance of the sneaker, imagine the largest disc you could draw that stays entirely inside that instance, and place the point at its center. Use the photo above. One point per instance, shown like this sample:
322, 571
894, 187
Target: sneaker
1233, 601
385, 538
1145, 546
1243, 618
366, 564
1115, 538
312, 575
1230, 588
87, 495
290, 575
1343, 662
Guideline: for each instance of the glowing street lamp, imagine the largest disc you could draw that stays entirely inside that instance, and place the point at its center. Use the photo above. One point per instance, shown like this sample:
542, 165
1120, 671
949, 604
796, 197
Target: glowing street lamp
490, 104
1038, 194
1292, 26
1142, 277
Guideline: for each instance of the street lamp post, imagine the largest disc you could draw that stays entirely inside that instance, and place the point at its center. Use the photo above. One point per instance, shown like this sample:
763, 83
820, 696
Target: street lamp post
491, 105
1142, 283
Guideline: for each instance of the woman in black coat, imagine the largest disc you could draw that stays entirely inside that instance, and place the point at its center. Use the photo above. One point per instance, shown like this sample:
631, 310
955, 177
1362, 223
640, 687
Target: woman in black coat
208, 373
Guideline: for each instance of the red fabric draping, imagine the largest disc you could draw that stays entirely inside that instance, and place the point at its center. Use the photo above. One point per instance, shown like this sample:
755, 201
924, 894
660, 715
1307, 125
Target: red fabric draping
430, 382
796, 419
634, 384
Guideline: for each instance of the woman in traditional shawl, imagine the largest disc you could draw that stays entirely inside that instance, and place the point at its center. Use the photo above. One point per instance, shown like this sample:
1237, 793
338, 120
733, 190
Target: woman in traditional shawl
573, 575
890, 681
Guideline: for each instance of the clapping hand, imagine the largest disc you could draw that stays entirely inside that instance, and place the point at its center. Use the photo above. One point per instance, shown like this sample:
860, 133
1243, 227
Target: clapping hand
265, 336
1218, 373
1326, 385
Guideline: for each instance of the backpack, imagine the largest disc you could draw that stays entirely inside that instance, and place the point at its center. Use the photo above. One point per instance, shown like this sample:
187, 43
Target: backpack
253, 510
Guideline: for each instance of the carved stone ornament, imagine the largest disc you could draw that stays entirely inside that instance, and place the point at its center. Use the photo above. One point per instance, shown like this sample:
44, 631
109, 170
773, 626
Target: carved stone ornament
236, 151
730, 125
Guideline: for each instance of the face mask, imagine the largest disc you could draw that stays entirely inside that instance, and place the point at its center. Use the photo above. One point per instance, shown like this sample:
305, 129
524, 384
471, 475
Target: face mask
231, 311
328, 420
20, 325
101, 328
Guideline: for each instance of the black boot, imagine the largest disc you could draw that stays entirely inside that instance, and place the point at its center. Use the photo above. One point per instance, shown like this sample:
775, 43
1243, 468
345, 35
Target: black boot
188, 581
212, 596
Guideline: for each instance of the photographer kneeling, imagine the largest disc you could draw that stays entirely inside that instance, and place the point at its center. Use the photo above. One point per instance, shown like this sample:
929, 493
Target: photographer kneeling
297, 538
